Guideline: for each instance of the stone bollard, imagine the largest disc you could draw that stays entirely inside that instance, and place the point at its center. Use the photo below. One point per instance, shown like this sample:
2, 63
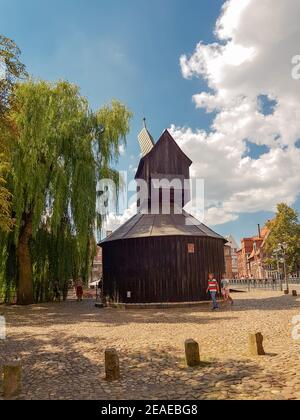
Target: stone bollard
192, 353
256, 344
112, 365
12, 380
295, 293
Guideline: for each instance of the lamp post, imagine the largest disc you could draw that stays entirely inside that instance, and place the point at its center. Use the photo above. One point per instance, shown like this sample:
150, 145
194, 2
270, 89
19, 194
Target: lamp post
283, 248
249, 276
276, 255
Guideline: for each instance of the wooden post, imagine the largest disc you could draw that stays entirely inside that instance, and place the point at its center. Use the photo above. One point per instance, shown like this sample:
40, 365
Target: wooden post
286, 292
112, 365
192, 353
256, 344
12, 380
295, 293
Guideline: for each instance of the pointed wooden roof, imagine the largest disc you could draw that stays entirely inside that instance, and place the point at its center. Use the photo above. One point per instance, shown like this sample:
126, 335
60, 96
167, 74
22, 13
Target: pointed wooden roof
166, 136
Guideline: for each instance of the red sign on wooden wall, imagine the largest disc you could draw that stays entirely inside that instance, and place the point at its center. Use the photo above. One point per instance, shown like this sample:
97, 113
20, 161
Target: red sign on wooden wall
191, 248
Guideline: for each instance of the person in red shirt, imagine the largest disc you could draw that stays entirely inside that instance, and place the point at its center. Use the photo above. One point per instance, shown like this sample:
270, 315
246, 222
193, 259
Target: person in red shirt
79, 290
213, 289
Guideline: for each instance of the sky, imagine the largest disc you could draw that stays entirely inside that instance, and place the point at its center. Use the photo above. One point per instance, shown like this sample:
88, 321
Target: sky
219, 79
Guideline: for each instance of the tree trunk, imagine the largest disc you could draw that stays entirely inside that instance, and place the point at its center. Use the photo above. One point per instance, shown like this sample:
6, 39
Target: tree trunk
25, 281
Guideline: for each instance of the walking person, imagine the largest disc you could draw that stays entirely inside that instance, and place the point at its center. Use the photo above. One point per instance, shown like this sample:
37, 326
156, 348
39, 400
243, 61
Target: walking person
56, 292
99, 289
213, 289
226, 290
79, 290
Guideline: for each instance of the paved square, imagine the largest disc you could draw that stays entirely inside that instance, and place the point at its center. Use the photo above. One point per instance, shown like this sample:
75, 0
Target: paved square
62, 350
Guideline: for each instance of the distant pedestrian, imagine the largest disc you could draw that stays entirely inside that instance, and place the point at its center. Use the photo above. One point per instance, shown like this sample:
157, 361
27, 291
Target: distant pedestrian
213, 289
56, 292
79, 290
226, 290
100, 284
99, 289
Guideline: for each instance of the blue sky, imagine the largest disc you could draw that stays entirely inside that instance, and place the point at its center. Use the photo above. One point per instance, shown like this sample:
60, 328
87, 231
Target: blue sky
123, 49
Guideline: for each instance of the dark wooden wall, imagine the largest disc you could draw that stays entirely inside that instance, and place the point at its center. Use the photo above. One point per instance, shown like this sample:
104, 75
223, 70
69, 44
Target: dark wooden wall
160, 270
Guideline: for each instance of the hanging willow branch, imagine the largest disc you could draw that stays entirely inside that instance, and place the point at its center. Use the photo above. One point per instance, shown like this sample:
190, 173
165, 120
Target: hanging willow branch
6, 222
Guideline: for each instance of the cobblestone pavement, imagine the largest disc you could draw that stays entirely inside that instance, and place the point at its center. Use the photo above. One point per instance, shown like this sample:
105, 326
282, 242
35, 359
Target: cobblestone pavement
62, 350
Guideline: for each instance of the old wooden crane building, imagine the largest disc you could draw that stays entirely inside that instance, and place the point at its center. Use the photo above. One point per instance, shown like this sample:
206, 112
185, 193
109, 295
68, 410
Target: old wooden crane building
161, 258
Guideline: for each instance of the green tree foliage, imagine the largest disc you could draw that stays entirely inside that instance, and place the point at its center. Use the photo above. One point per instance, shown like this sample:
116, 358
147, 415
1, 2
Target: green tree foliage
5, 204
285, 229
11, 69
61, 150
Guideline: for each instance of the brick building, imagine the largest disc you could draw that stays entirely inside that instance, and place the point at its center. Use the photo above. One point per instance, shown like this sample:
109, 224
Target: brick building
228, 261
251, 257
243, 255
234, 257
97, 269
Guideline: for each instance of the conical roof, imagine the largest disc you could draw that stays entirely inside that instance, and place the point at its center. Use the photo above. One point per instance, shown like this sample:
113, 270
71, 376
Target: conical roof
161, 225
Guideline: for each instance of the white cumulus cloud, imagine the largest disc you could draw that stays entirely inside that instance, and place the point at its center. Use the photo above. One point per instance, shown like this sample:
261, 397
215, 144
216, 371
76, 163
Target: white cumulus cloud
114, 221
256, 41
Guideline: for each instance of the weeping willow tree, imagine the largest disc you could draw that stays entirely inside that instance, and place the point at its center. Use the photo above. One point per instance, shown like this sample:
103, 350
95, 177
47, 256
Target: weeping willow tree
11, 69
61, 151
57, 259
